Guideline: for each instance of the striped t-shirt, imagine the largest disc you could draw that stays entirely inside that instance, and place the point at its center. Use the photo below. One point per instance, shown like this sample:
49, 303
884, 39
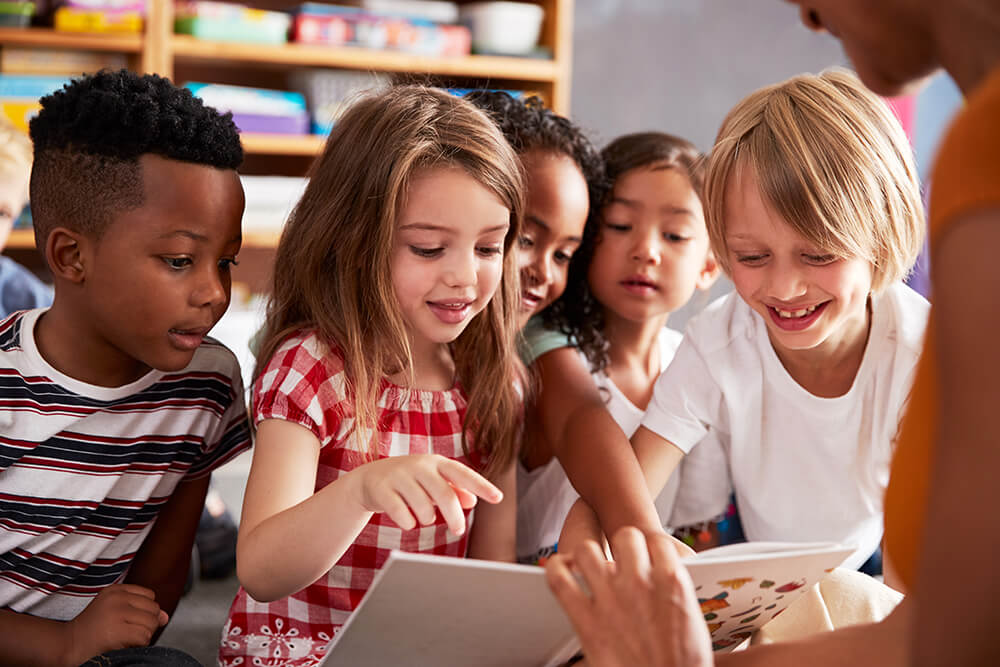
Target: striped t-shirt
84, 470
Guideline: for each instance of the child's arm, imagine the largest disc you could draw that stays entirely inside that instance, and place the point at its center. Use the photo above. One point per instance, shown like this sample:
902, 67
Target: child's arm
162, 562
290, 536
657, 457
494, 529
121, 616
590, 446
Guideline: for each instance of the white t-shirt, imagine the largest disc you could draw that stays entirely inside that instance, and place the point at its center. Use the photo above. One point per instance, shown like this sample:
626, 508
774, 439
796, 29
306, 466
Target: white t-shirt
545, 494
804, 468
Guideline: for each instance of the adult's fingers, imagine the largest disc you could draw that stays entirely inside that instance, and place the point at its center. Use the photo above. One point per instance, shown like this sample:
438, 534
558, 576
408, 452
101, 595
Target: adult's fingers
565, 586
631, 554
595, 569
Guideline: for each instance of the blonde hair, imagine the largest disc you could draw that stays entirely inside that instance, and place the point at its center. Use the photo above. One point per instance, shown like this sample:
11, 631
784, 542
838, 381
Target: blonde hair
15, 152
831, 159
332, 269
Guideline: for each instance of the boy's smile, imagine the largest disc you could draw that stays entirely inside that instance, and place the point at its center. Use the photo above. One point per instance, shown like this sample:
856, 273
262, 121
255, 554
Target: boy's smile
813, 302
155, 282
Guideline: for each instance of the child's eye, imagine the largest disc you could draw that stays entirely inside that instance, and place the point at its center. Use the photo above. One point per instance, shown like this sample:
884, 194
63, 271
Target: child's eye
177, 262
525, 241
675, 238
489, 250
820, 259
426, 252
226, 264
563, 257
751, 260
618, 226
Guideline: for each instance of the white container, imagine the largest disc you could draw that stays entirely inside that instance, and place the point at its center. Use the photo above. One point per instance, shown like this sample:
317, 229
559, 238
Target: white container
509, 28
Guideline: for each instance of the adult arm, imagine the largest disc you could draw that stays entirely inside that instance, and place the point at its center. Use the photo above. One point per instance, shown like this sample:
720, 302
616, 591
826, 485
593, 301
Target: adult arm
956, 583
591, 447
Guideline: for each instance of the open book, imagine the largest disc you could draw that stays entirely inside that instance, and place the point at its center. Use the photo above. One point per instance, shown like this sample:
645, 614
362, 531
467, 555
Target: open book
454, 612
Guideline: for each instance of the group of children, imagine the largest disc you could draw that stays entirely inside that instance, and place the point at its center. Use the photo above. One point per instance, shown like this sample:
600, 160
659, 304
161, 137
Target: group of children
465, 352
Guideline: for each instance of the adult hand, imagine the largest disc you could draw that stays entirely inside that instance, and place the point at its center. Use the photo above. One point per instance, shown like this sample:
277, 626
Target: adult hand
641, 609
121, 616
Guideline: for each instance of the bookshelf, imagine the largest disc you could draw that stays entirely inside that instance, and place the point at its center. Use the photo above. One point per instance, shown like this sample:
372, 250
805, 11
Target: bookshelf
184, 58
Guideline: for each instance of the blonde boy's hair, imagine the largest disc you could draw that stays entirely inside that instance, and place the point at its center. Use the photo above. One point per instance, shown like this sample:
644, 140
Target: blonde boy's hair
15, 153
833, 162
332, 272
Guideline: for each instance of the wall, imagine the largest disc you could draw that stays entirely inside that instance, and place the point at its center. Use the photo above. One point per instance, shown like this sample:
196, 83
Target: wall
679, 65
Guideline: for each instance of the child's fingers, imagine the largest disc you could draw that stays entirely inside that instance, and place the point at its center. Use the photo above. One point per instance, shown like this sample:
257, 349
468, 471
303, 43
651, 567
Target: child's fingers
397, 509
416, 497
464, 477
465, 499
444, 496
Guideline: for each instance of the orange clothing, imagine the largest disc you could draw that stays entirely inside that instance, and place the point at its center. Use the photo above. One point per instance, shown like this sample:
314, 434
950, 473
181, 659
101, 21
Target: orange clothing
966, 178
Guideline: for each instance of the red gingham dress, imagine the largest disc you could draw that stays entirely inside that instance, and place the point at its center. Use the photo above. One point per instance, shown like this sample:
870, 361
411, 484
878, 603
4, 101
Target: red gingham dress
304, 383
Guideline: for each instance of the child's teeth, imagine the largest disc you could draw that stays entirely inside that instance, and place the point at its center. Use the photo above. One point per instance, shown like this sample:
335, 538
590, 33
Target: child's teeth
788, 314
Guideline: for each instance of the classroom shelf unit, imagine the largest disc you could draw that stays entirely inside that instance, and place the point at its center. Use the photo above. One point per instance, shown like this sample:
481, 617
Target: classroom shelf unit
184, 58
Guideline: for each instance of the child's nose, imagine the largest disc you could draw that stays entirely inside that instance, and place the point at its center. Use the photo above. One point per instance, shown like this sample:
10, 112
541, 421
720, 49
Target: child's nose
541, 269
461, 271
647, 248
785, 284
213, 290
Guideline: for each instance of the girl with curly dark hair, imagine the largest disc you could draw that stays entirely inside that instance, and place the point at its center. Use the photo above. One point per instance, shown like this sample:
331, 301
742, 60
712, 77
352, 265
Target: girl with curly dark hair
650, 254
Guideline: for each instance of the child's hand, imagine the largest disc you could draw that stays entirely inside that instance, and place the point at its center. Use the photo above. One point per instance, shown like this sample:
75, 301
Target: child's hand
405, 487
121, 616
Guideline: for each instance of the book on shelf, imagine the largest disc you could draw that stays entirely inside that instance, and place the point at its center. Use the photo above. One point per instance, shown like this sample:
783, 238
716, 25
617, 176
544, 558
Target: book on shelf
454, 612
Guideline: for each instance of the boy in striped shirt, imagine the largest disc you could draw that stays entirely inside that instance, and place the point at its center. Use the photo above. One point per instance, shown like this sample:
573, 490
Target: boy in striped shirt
114, 405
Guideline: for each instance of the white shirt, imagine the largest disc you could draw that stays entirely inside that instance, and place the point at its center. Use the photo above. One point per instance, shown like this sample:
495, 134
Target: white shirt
545, 494
804, 468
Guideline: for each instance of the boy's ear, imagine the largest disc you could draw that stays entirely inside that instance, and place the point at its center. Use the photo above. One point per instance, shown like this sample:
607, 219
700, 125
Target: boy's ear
64, 253
709, 272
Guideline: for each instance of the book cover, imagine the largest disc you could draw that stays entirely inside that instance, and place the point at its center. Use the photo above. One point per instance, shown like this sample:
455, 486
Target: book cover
455, 612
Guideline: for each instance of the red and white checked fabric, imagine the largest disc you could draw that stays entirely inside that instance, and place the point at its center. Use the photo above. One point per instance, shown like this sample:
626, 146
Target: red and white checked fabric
304, 382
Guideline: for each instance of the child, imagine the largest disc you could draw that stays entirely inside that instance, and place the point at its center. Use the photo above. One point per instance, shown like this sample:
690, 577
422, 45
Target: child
114, 405
387, 370
651, 254
563, 174
19, 288
814, 212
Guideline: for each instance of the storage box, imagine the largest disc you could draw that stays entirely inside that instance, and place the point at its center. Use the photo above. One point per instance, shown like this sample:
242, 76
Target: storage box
16, 14
70, 19
257, 109
19, 95
227, 22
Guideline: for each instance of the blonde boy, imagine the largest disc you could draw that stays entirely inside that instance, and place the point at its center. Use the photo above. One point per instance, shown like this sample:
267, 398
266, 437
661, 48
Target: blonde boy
19, 288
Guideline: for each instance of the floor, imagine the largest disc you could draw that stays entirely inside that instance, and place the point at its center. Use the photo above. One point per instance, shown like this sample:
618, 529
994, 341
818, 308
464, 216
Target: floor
197, 622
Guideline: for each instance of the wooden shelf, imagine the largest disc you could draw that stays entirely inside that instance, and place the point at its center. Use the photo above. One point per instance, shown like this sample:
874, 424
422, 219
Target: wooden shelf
282, 144
25, 239
21, 238
46, 37
187, 48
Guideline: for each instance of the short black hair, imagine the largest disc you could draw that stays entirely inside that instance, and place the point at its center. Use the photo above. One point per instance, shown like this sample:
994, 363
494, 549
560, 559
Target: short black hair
89, 136
529, 125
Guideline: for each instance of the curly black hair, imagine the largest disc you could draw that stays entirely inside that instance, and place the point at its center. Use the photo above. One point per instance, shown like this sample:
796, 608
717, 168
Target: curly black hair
89, 136
529, 125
